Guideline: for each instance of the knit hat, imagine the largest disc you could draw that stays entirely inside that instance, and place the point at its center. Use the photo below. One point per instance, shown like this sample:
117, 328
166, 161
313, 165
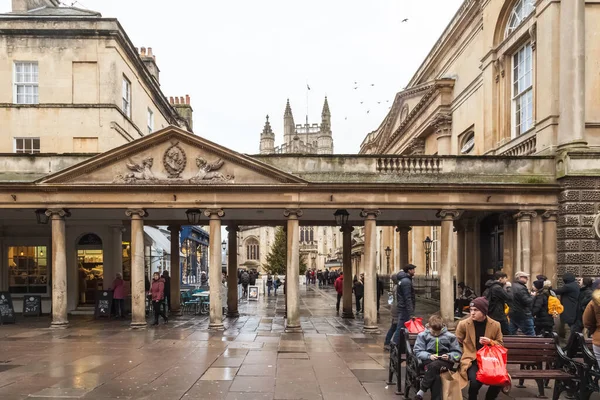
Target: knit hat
538, 284
596, 284
481, 304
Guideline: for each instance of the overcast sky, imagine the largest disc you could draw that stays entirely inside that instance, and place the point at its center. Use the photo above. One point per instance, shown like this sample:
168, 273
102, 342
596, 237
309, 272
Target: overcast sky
240, 60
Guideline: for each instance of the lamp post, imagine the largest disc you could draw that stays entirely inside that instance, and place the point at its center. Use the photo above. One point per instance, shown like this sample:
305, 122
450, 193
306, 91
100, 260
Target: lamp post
388, 251
427, 246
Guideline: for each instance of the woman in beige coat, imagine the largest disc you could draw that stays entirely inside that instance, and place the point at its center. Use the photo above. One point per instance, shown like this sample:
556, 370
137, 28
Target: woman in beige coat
473, 333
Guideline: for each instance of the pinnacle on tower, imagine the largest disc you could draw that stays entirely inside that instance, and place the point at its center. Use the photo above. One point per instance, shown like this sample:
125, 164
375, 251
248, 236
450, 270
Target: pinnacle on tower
288, 110
325, 112
267, 131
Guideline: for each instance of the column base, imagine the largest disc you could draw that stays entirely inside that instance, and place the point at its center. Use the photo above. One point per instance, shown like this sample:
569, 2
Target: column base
233, 314
293, 329
59, 325
138, 325
574, 145
349, 315
218, 326
371, 329
176, 313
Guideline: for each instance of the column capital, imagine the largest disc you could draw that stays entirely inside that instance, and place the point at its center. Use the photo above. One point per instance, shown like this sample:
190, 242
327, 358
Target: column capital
525, 215
232, 228
549, 215
58, 213
214, 213
347, 229
370, 213
443, 124
137, 212
293, 213
403, 229
448, 214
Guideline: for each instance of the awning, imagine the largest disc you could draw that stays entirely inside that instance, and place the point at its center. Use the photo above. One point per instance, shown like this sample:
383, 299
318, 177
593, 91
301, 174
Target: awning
160, 240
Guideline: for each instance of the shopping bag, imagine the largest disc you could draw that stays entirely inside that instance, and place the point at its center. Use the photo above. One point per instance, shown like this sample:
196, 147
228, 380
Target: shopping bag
415, 325
450, 386
491, 360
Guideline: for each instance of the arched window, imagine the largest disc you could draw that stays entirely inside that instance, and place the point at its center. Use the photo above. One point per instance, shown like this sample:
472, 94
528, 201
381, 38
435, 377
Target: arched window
467, 143
311, 236
252, 248
521, 10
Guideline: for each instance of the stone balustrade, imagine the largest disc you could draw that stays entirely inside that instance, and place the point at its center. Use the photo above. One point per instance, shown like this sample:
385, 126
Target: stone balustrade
410, 165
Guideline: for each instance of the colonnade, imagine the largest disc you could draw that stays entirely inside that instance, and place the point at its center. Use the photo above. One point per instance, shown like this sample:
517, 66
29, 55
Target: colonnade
450, 221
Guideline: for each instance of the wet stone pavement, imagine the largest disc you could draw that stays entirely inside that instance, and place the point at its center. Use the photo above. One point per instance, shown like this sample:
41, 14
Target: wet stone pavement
252, 359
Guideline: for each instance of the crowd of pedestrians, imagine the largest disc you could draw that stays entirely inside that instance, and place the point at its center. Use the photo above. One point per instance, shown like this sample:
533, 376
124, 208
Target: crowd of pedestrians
504, 308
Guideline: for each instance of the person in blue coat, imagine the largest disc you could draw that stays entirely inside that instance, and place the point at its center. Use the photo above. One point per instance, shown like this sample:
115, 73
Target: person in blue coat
405, 297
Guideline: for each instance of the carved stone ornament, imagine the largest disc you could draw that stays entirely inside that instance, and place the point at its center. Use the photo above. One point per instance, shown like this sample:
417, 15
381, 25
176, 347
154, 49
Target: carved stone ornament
208, 172
448, 214
533, 35
174, 160
597, 225
214, 213
370, 213
58, 212
525, 215
443, 124
417, 147
295, 212
141, 172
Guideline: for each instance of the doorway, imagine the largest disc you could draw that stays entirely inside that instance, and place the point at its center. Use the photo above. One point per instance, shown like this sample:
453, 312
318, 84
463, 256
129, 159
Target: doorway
492, 247
90, 265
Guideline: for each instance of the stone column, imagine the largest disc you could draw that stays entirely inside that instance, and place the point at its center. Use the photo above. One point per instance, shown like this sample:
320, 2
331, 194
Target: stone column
571, 127
370, 270
549, 258
361, 262
537, 246
232, 278
293, 270
347, 269
59, 267
445, 271
443, 130
524, 240
214, 268
175, 270
460, 252
138, 289
403, 230
509, 246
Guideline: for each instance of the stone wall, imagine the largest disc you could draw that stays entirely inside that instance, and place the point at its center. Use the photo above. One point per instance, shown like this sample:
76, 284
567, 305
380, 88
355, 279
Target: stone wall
578, 246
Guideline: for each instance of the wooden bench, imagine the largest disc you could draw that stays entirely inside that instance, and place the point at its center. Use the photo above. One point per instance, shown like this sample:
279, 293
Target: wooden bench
584, 354
539, 358
398, 356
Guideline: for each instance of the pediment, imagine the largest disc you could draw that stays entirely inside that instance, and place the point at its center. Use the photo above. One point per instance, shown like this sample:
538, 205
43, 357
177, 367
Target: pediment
171, 157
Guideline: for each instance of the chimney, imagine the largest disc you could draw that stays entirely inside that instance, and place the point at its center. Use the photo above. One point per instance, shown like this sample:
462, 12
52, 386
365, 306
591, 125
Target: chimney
149, 60
184, 109
22, 6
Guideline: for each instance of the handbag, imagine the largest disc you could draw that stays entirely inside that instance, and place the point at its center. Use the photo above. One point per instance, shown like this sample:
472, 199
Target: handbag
414, 325
491, 360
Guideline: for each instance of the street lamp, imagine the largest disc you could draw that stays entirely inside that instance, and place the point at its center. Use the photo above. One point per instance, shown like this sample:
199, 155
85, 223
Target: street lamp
341, 217
193, 216
388, 251
427, 246
224, 245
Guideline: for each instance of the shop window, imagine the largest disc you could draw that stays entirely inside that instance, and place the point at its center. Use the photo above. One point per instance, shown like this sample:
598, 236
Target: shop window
28, 269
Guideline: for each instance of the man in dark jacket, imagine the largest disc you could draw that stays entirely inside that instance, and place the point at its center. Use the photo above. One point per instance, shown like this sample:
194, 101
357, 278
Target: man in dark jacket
569, 297
585, 296
520, 310
245, 281
405, 296
379, 289
498, 294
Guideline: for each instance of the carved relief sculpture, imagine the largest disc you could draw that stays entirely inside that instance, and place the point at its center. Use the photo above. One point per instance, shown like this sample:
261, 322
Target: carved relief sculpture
174, 160
209, 171
139, 172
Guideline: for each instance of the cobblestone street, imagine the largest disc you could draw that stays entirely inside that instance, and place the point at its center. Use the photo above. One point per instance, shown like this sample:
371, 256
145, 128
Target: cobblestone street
252, 359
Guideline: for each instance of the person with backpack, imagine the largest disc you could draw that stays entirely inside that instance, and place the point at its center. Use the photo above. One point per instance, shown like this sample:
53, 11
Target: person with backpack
542, 319
245, 281
569, 297
359, 291
498, 295
585, 296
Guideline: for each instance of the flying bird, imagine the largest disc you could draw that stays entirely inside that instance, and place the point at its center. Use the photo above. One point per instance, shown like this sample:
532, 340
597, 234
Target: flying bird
372, 84
356, 87
361, 102
405, 20
368, 111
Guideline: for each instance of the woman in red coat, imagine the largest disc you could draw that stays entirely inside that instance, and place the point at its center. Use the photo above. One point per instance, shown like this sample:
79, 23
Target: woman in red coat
158, 296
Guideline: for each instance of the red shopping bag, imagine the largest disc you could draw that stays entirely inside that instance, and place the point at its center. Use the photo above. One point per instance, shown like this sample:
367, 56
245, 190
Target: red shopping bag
491, 361
415, 325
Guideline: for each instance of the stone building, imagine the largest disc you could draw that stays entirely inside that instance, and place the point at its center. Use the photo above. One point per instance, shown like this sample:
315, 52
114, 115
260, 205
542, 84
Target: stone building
73, 82
318, 245
507, 78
